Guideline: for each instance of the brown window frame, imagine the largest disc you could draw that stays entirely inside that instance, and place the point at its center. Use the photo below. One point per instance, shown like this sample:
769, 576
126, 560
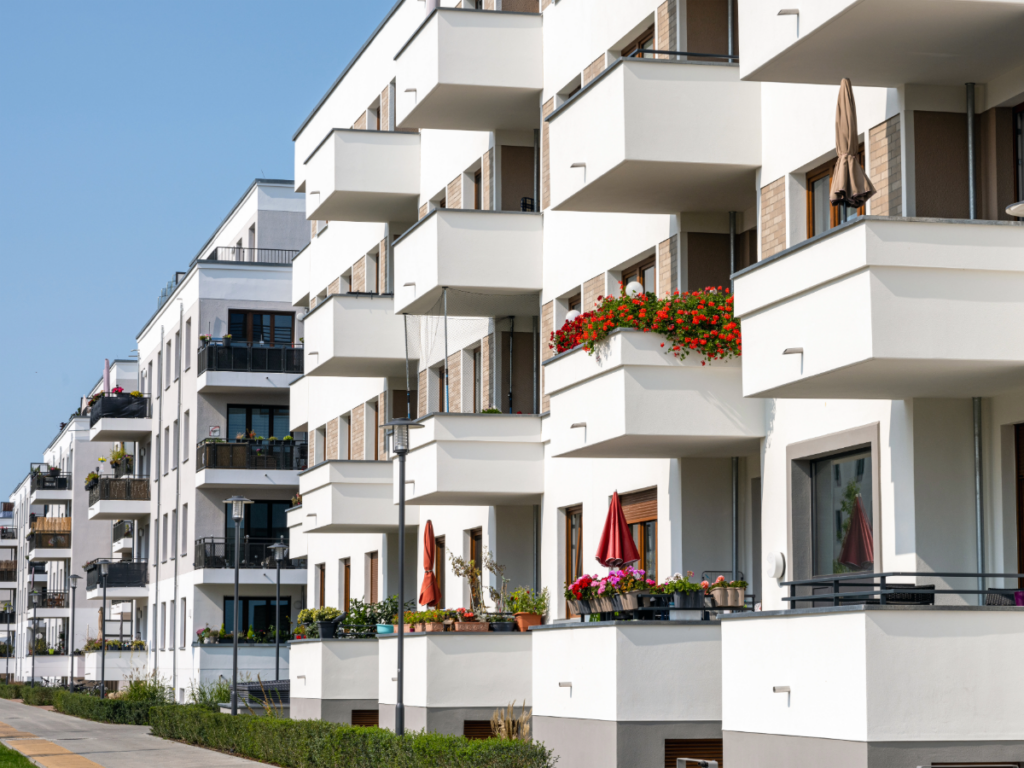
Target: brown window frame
816, 174
636, 522
478, 190
248, 324
347, 575
439, 569
636, 272
647, 36
1018, 160
321, 573
573, 570
374, 589
575, 302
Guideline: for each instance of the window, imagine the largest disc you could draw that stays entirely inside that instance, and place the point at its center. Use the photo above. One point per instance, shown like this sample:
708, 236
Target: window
174, 534
184, 626
575, 303
188, 343
821, 214
643, 43
167, 449
346, 595
264, 521
274, 329
184, 438
573, 544
184, 530
842, 518
478, 382
374, 566
252, 236
149, 377
478, 188
321, 582
439, 568
256, 613
177, 445
171, 625
641, 512
167, 362
159, 373
163, 536
643, 273
264, 421
177, 355
163, 625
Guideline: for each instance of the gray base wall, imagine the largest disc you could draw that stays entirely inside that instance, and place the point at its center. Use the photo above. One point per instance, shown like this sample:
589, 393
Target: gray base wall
611, 744
761, 750
330, 710
448, 720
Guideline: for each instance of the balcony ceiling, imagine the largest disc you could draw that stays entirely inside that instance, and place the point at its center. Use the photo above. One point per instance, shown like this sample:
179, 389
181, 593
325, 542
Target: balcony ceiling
892, 42
475, 108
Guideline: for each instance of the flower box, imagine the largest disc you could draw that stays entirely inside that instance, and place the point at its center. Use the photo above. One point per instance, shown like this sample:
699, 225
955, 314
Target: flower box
629, 601
603, 604
688, 600
471, 626
432, 626
580, 607
526, 620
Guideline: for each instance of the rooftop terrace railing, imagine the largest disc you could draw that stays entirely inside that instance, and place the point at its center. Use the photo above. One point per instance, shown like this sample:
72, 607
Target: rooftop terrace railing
251, 255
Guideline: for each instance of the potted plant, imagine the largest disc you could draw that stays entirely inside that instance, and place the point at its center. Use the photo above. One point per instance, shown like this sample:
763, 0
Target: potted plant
259, 439
500, 622
717, 592
630, 585
272, 439
466, 621
224, 637
91, 481
683, 593
529, 607
135, 393
580, 593
326, 618
603, 600
286, 439
297, 500
204, 338
226, 339
54, 471
241, 437
433, 620
737, 593
117, 390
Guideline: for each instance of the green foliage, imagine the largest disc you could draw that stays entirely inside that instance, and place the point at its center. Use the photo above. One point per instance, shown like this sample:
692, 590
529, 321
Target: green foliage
119, 710
525, 600
145, 688
209, 694
9, 758
38, 695
319, 744
10, 690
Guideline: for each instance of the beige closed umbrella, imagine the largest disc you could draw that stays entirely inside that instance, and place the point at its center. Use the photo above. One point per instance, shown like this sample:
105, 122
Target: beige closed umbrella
850, 185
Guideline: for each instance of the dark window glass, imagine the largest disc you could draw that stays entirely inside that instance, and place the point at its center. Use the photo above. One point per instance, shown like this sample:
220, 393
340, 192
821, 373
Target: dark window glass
256, 612
263, 520
236, 326
282, 329
261, 328
264, 421
843, 518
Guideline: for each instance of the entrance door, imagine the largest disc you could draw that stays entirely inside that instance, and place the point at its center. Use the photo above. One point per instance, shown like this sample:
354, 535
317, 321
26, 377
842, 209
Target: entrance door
518, 372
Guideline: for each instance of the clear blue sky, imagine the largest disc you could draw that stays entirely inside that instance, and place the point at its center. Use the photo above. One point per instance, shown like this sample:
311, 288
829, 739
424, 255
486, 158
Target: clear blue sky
127, 131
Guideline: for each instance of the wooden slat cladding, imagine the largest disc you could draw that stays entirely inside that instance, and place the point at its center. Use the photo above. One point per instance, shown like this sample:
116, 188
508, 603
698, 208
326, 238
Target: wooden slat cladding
382, 268
360, 124
51, 525
547, 327
455, 382
359, 275
486, 179
374, 567
356, 434
477, 729
385, 109
668, 265
486, 375
707, 260
640, 506
422, 399
366, 718
593, 288
332, 440
699, 749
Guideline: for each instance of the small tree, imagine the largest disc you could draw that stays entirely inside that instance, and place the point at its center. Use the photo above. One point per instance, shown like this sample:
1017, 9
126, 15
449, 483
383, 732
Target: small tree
469, 570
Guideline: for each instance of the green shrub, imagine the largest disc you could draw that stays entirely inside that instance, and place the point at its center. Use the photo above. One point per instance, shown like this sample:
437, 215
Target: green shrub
38, 695
10, 690
318, 744
209, 694
118, 710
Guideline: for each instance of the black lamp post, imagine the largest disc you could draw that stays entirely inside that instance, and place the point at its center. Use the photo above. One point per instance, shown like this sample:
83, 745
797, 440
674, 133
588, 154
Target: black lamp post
32, 637
7, 669
280, 551
400, 445
238, 515
71, 636
104, 569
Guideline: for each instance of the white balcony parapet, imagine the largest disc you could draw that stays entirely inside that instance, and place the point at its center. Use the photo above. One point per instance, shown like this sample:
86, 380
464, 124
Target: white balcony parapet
118, 665
359, 175
657, 136
209, 662
331, 678
357, 334
632, 399
888, 308
487, 259
471, 70
474, 459
349, 497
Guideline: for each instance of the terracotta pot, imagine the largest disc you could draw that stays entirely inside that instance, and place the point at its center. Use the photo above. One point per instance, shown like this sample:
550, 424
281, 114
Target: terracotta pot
433, 626
526, 620
421, 627
470, 626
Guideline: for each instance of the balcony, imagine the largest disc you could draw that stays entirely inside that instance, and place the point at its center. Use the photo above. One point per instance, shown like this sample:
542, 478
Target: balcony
494, 255
474, 459
49, 538
8, 532
213, 662
593, 685
330, 678
632, 400
8, 574
922, 42
252, 255
49, 486
359, 334
50, 605
230, 368
887, 308
357, 175
472, 71
123, 537
222, 464
118, 665
215, 558
657, 136
120, 418
126, 580
118, 498
349, 497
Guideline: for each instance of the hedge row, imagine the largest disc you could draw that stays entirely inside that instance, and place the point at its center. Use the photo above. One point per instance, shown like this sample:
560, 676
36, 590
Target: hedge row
318, 744
10, 690
104, 710
38, 695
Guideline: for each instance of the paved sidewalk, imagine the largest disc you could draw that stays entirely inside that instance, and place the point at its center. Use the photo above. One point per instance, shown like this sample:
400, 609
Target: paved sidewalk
59, 741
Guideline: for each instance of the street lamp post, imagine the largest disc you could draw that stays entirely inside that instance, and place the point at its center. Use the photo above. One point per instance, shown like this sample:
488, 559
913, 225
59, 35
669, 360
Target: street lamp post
400, 445
71, 637
7, 668
238, 515
280, 551
32, 636
104, 569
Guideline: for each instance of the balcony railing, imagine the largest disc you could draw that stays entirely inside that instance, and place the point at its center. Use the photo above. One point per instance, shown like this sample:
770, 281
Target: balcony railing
252, 255
123, 530
7, 617
246, 358
45, 481
7, 532
119, 407
119, 489
50, 600
280, 454
49, 541
8, 574
214, 552
120, 573
881, 589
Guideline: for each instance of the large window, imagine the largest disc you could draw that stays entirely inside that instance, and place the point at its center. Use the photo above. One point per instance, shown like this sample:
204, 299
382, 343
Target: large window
641, 512
643, 43
573, 544
272, 328
643, 273
842, 518
263, 520
821, 214
257, 613
263, 421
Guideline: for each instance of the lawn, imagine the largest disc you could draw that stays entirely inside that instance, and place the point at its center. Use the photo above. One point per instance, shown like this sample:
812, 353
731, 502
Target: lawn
9, 758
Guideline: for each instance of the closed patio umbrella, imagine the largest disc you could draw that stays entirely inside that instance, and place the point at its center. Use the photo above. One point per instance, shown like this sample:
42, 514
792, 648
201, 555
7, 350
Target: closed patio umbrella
859, 545
429, 594
616, 548
850, 185
106, 375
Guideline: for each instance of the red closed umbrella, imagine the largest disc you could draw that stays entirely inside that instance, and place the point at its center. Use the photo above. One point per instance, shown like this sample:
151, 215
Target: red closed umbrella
616, 548
859, 545
429, 594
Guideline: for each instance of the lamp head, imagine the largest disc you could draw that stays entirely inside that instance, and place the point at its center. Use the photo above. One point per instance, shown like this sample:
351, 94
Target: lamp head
238, 507
280, 550
400, 434
105, 567
35, 599
73, 578
571, 315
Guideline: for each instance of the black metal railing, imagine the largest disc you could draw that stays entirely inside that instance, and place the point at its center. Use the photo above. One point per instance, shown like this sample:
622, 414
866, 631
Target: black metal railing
119, 489
47, 481
7, 617
120, 573
37, 569
125, 467
123, 530
879, 589
245, 358
218, 552
49, 600
280, 454
644, 54
8, 532
251, 255
122, 406
8, 574
49, 541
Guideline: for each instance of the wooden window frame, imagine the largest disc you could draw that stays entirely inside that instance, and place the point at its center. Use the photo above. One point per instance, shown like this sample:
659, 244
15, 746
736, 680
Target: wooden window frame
636, 272
439, 570
273, 320
478, 357
321, 577
347, 575
575, 302
1018, 167
374, 586
646, 496
478, 190
816, 174
647, 36
571, 573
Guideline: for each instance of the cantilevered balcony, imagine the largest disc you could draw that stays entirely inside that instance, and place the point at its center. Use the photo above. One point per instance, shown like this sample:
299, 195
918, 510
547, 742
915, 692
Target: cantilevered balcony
474, 459
125, 580
48, 485
471, 70
8, 574
50, 604
123, 537
49, 538
359, 175
881, 42
120, 418
658, 136
249, 463
119, 498
229, 367
215, 560
348, 497
632, 400
358, 334
887, 308
489, 259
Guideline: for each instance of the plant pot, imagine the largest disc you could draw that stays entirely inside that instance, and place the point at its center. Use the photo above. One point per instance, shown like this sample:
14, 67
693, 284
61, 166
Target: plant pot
54, 472
209, 640
579, 607
603, 604
385, 629
326, 629
688, 600
419, 627
736, 595
471, 626
503, 626
433, 626
719, 597
630, 601
526, 620
224, 641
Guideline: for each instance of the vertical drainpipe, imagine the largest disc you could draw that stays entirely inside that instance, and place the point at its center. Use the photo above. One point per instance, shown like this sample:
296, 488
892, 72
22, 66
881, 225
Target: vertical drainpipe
735, 516
732, 44
155, 535
177, 495
976, 402
971, 157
